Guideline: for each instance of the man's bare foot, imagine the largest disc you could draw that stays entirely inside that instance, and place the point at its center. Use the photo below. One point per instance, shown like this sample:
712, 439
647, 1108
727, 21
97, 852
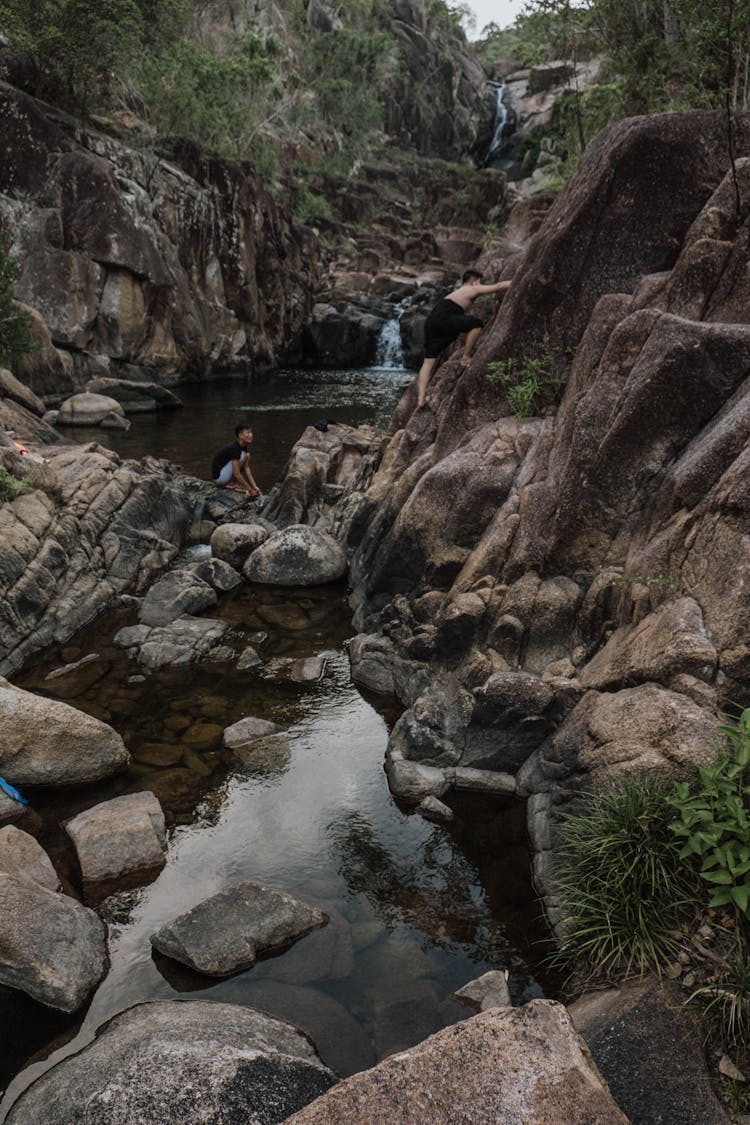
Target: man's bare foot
235, 488
420, 403
465, 360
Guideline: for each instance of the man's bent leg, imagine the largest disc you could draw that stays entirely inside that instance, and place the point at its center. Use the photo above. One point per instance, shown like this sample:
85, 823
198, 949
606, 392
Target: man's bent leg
423, 378
471, 339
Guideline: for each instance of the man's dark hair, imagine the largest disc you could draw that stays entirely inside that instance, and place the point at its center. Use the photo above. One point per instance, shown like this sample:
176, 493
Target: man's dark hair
469, 275
240, 427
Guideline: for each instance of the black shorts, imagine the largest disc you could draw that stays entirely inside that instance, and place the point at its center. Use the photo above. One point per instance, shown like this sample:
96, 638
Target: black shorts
446, 323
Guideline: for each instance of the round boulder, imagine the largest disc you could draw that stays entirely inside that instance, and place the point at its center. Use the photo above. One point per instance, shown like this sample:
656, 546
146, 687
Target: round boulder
233, 542
88, 410
296, 556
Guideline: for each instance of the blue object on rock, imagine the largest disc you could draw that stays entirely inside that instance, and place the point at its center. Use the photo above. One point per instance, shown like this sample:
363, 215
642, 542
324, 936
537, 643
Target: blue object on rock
9, 789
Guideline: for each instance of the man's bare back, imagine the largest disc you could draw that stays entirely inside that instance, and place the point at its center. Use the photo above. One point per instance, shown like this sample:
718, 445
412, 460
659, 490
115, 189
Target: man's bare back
465, 294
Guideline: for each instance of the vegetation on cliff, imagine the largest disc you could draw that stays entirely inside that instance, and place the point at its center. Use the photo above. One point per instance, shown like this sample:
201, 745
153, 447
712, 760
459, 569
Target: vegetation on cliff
681, 54
15, 323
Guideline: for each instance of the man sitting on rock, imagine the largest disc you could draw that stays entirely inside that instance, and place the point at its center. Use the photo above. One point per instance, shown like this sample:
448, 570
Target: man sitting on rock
448, 320
230, 467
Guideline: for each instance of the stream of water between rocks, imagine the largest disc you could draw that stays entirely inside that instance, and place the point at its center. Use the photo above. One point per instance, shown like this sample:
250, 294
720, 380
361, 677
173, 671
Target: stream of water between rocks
416, 909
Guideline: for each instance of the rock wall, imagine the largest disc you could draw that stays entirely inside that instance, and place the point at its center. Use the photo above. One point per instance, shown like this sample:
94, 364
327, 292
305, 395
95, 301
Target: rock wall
182, 267
561, 598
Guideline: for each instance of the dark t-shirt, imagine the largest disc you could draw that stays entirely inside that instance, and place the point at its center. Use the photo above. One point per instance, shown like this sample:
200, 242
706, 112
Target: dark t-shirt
233, 452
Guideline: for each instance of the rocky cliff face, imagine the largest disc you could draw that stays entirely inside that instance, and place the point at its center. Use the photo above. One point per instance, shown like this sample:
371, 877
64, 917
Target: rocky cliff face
183, 266
564, 597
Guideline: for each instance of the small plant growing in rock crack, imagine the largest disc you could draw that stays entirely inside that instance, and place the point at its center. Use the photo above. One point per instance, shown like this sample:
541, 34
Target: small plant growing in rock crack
653, 581
532, 382
623, 887
380, 422
10, 488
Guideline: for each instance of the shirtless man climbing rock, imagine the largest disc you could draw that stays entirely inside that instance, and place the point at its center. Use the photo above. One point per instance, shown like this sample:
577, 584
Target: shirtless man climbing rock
448, 320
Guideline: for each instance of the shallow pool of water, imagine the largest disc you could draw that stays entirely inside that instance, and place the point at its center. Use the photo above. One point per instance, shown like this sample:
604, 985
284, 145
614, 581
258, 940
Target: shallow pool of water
278, 406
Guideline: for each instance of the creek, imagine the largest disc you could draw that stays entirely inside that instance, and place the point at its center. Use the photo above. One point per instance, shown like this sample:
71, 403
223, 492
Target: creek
416, 909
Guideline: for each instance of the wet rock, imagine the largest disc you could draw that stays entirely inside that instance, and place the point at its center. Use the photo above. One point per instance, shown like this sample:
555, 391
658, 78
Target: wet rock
412, 782
308, 670
73, 679
53, 948
177, 593
46, 742
183, 641
484, 781
433, 809
88, 410
203, 736
488, 991
287, 616
405, 1013
506, 1065
296, 556
217, 573
248, 730
248, 659
265, 756
326, 954
231, 929
135, 397
25, 859
121, 841
371, 657
233, 542
159, 754
176, 1062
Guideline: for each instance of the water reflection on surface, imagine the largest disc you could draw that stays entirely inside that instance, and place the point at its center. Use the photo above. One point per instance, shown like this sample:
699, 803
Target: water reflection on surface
416, 911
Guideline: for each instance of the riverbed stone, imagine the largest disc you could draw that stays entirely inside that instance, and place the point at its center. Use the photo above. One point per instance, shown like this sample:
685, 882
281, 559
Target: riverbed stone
47, 742
173, 595
266, 756
248, 659
247, 730
433, 809
183, 641
24, 858
173, 1062
515, 1066
73, 679
232, 543
118, 842
412, 782
87, 409
307, 670
488, 991
227, 932
217, 573
51, 947
296, 556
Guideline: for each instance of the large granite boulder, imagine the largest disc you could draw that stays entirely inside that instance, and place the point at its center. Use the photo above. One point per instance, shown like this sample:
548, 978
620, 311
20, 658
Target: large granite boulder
135, 397
119, 843
88, 410
232, 543
513, 1066
25, 859
172, 1062
51, 947
173, 595
296, 556
231, 929
46, 742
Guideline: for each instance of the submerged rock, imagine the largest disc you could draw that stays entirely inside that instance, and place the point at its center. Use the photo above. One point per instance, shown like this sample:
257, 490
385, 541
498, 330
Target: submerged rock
173, 1062
245, 731
231, 929
173, 595
296, 556
518, 1066
51, 947
488, 991
46, 742
121, 841
183, 641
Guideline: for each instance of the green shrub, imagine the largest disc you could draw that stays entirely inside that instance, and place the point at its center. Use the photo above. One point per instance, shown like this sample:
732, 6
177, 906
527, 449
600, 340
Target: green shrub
622, 883
713, 822
10, 488
532, 382
311, 208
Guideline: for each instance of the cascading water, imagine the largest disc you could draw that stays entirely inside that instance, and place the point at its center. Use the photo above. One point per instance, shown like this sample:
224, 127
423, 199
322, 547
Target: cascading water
501, 123
389, 351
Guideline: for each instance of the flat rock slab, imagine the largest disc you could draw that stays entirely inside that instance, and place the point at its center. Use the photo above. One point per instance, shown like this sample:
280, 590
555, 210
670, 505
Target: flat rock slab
180, 1062
650, 1051
24, 858
296, 556
248, 730
228, 931
119, 841
510, 1066
51, 947
46, 742
174, 595
183, 641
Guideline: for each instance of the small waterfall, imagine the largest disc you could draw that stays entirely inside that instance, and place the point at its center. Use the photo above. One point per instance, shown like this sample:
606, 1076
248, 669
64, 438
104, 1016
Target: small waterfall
389, 352
501, 122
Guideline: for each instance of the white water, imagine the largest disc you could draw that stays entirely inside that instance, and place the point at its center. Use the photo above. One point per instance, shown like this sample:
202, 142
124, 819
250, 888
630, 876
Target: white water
501, 120
389, 352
